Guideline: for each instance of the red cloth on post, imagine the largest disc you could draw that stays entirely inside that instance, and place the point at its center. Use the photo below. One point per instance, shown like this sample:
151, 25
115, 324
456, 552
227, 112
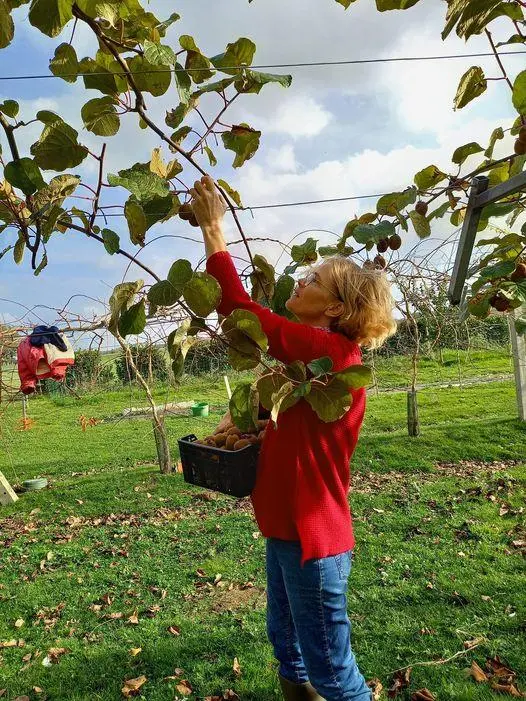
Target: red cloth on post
40, 362
304, 467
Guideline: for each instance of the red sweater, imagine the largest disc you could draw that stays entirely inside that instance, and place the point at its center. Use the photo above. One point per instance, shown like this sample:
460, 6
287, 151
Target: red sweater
303, 475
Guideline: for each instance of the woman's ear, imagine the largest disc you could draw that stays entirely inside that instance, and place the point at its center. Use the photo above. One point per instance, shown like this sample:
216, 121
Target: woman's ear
335, 310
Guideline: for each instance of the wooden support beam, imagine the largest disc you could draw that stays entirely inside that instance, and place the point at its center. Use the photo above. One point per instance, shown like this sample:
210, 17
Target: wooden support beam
7, 493
467, 240
518, 344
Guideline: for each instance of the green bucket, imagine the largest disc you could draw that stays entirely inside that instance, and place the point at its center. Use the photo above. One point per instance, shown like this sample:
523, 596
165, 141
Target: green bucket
200, 409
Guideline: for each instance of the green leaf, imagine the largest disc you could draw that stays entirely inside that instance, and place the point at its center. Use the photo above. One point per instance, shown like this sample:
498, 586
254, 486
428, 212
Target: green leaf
305, 253
9, 108
363, 233
237, 54
133, 321
180, 274
179, 136
7, 27
60, 187
283, 290
233, 194
395, 202
163, 26
355, 376
136, 219
496, 135
121, 299
320, 366
163, 294
261, 263
58, 148
243, 140
148, 77
243, 354
384, 5
211, 158
472, 84
196, 64
216, 86
244, 406
111, 241
345, 3
497, 209
248, 324
183, 82
174, 117
100, 116
331, 401
141, 182
253, 81
429, 178
159, 55
202, 294
520, 326
50, 16
278, 400
64, 63
157, 209
439, 212
463, 152
102, 75
41, 265
519, 93
498, 270
49, 223
19, 248
479, 307
25, 175
421, 224
325, 251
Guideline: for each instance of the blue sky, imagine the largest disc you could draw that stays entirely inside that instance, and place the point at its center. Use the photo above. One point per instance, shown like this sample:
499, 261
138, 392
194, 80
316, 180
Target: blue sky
337, 132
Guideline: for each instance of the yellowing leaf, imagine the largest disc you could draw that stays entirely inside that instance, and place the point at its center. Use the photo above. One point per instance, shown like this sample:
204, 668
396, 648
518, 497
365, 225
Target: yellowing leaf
132, 686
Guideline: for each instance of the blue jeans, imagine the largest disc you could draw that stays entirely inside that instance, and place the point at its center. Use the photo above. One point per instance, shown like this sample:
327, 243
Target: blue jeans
307, 621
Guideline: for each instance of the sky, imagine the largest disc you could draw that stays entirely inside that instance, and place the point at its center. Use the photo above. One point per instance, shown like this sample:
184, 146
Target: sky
338, 131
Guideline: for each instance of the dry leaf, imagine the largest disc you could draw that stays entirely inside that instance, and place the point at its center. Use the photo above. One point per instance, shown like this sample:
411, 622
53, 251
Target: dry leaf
422, 695
19, 623
184, 687
135, 651
468, 644
376, 687
37, 690
178, 671
8, 643
399, 683
509, 689
134, 618
132, 686
218, 578
174, 630
236, 667
22, 698
477, 673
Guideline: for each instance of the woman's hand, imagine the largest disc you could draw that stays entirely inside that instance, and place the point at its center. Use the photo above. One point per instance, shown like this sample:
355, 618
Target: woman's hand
208, 205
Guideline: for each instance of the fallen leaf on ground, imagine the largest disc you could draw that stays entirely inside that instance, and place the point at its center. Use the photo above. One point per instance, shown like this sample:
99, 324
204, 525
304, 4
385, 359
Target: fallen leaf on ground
477, 673
376, 687
135, 651
19, 623
468, 644
174, 630
236, 667
134, 618
132, 686
184, 687
399, 683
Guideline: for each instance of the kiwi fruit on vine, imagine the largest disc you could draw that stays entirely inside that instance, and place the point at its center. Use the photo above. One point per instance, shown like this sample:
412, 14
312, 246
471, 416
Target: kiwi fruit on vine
186, 212
380, 262
421, 208
519, 273
522, 134
520, 147
193, 220
382, 245
501, 304
395, 242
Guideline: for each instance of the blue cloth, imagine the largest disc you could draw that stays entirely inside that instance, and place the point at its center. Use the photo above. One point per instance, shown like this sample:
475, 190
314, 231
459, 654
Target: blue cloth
47, 334
307, 621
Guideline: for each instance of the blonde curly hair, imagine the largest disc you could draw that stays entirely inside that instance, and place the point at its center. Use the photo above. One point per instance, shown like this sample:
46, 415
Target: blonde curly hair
366, 294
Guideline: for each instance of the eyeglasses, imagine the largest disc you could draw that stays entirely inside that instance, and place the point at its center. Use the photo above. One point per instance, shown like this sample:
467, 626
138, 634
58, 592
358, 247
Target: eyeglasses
314, 278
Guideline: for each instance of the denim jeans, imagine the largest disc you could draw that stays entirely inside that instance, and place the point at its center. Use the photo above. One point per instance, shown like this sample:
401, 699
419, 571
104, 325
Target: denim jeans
307, 621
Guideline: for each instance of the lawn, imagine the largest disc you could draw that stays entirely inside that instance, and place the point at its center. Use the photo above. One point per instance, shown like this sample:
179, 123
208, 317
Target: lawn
134, 573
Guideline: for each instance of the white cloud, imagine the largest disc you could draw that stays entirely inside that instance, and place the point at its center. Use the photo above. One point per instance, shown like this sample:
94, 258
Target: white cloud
282, 159
298, 117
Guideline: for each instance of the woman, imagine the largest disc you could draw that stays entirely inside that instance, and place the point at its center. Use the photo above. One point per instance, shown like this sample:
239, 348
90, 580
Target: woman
301, 495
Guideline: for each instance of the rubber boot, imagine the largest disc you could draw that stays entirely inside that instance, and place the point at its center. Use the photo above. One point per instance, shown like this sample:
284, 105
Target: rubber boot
298, 692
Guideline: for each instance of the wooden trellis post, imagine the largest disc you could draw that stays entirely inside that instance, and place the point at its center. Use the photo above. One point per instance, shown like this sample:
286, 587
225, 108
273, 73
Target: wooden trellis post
479, 197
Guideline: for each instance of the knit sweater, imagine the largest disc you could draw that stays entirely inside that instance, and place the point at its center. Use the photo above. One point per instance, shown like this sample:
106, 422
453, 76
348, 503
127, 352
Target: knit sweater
303, 479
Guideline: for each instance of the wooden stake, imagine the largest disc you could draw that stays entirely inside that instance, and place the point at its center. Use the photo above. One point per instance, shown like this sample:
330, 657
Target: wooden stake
518, 344
7, 494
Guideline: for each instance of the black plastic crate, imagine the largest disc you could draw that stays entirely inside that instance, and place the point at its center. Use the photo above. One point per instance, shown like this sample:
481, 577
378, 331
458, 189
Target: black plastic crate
226, 471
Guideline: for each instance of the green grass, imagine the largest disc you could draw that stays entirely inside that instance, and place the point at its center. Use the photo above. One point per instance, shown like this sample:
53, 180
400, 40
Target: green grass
138, 532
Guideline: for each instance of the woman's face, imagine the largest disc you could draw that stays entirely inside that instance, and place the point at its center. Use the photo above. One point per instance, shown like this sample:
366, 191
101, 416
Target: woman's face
313, 295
